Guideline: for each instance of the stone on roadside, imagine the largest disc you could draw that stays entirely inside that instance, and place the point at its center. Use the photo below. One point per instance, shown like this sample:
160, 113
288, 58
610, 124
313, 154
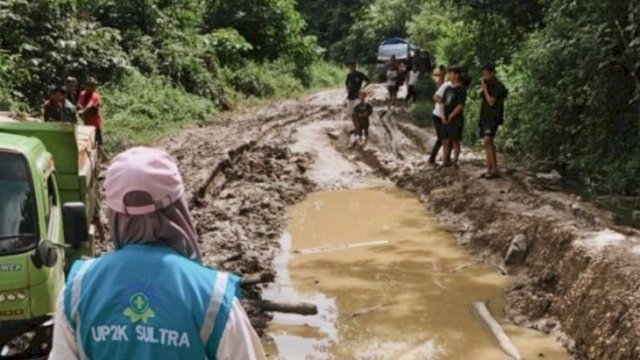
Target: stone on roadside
635, 215
517, 250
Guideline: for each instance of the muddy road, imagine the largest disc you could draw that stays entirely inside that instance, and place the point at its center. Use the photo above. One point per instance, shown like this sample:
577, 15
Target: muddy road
577, 278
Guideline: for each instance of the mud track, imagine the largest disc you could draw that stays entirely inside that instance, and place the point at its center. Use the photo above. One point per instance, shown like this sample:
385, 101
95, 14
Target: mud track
580, 278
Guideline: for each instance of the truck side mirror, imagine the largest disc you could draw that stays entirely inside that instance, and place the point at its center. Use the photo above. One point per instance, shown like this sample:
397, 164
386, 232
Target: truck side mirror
76, 226
46, 254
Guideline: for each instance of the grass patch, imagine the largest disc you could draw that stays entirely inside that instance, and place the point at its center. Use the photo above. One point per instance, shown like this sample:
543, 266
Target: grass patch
143, 109
421, 113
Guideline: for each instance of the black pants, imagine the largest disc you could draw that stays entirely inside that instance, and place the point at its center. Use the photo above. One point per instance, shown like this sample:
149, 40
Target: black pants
412, 94
437, 123
363, 128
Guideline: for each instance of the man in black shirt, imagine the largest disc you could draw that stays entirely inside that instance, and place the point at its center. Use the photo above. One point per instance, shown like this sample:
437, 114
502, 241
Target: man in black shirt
354, 84
453, 123
493, 96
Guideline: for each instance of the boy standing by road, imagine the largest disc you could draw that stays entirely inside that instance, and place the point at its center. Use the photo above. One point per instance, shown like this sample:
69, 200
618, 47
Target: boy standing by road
362, 112
356, 81
412, 81
455, 98
493, 96
438, 110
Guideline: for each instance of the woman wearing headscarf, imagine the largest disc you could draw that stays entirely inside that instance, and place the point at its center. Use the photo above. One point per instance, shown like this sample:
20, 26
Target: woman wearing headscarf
151, 298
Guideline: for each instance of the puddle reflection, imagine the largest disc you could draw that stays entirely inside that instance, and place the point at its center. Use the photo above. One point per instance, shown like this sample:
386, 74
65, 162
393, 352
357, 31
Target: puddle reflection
394, 299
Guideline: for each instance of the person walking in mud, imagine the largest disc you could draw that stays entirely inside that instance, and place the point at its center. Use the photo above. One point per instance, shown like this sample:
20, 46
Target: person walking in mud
454, 100
393, 74
412, 82
363, 112
438, 110
493, 96
355, 83
151, 298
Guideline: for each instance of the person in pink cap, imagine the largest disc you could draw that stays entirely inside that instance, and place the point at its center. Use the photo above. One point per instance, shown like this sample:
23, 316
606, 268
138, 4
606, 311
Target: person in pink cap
151, 298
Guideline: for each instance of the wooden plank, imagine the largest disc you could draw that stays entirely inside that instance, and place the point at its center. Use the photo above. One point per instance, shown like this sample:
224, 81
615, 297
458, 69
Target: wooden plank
339, 247
505, 343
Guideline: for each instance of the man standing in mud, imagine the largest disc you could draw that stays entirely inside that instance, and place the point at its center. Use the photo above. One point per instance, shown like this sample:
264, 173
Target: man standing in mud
493, 96
356, 82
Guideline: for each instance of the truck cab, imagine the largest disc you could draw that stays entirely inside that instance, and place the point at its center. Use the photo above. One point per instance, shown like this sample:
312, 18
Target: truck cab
46, 201
402, 49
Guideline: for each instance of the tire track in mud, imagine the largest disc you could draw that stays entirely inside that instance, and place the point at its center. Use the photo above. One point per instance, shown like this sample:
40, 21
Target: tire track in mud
578, 279
242, 176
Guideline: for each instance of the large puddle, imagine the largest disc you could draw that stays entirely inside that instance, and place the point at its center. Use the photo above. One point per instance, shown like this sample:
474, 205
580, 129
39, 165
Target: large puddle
389, 284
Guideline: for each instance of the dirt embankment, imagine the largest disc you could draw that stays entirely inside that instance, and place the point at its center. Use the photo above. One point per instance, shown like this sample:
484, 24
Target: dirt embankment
580, 276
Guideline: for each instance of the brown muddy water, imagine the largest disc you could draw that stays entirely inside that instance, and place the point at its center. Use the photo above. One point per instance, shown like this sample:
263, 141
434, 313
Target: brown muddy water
389, 282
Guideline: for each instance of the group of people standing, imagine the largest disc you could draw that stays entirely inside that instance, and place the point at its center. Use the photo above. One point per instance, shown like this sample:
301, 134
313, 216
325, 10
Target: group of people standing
448, 114
66, 103
401, 73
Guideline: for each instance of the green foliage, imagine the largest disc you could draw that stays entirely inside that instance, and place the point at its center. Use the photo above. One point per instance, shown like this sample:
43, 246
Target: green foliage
265, 80
276, 79
326, 75
422, 113
230, 47
46, 44
141, 109
331, 20
7, 98
379, 20
572, 106
273, 27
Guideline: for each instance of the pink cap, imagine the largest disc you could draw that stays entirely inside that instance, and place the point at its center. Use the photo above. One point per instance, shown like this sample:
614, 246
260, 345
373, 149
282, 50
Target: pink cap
143, 169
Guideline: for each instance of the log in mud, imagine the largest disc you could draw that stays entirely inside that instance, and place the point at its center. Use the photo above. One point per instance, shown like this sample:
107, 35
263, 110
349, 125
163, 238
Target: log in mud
578, 279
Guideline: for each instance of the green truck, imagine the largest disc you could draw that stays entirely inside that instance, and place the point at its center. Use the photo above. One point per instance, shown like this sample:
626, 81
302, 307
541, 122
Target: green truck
48, 192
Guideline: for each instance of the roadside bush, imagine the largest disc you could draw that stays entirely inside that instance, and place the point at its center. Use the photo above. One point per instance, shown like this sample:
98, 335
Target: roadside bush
325, 75
8, 100
46, 45
266, 80
273, 27
572, 107
156, 109
230, 47
422, 113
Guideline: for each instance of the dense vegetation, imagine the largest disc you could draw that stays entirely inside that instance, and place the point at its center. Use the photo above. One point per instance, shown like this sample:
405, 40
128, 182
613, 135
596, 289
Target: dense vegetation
162, 63
573, 69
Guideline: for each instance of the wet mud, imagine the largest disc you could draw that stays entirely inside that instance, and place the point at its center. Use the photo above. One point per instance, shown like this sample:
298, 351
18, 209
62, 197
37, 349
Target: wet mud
578, 281
403, 290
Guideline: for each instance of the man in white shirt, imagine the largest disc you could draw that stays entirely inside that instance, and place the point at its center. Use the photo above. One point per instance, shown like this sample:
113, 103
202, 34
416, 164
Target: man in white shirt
438, 111
412, 80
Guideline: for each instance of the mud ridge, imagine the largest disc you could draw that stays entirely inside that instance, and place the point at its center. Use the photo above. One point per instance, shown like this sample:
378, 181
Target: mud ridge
580, 279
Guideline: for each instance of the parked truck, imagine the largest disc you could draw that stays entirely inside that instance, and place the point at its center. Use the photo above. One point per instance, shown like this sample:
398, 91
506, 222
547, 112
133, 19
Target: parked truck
48, 193
402, 49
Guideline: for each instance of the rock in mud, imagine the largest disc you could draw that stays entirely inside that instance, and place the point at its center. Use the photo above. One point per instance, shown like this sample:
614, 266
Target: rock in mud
517, 250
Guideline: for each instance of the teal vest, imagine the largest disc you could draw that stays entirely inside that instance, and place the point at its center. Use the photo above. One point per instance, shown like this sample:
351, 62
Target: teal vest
145, 302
